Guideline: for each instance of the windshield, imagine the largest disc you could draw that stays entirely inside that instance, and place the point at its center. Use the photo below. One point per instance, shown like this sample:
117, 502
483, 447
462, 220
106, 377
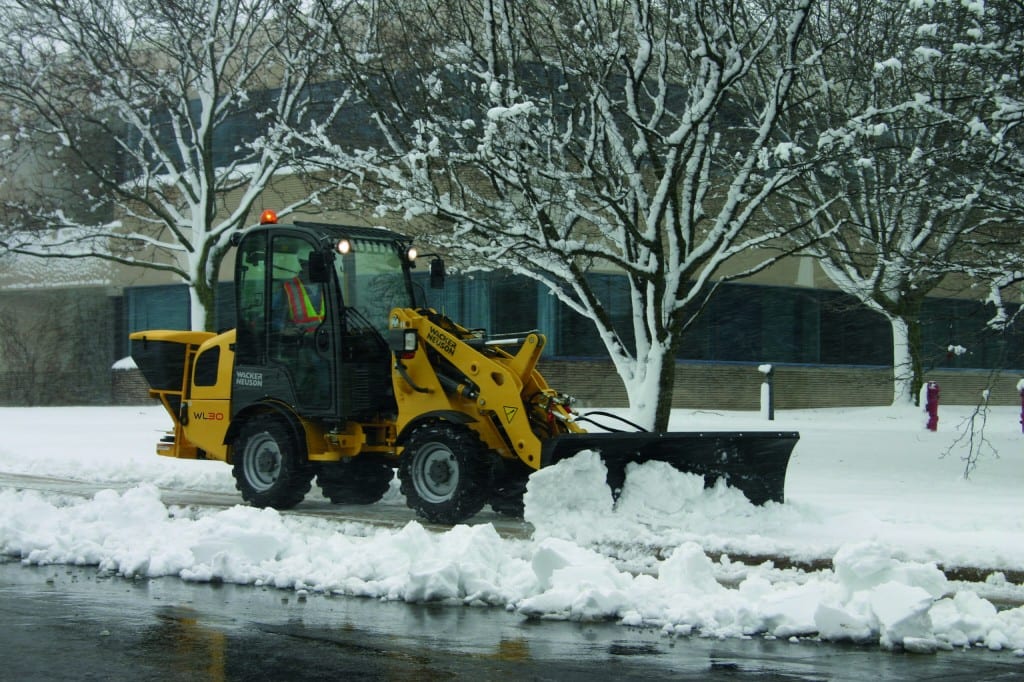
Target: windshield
372, 281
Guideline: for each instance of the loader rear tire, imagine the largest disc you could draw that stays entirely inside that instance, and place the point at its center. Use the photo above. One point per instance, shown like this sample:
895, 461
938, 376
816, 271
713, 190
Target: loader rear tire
444, 472
364, 480
269, 468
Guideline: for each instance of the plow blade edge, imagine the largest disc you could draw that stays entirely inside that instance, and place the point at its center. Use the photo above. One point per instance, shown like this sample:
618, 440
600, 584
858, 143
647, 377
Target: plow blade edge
755, 462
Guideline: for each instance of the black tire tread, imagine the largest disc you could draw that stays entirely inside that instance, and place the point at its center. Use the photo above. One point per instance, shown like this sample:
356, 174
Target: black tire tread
364, 480
296, 475
474, 460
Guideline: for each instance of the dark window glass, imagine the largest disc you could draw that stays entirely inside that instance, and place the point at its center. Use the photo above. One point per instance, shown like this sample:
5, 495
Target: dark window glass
789, 325
956, 334
464, 297
513, 303
577, 336
851, 334
747, 323
206, 367
157, 307
225, 314
736, 324
251, 293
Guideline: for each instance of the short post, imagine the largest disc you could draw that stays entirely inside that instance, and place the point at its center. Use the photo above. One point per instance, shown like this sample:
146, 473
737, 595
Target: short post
931, 405
768, 391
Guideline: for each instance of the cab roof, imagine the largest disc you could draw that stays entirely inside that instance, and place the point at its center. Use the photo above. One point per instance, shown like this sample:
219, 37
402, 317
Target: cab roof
334, 229
330, 231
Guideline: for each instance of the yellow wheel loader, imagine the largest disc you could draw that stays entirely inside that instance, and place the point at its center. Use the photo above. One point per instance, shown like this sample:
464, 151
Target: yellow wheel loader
337, 372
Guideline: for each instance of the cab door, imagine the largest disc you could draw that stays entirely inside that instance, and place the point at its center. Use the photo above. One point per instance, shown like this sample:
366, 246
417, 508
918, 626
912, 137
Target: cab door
285, 348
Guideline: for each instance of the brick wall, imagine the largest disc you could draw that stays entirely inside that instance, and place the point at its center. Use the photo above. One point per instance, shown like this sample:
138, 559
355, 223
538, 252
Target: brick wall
738, 386
129, 387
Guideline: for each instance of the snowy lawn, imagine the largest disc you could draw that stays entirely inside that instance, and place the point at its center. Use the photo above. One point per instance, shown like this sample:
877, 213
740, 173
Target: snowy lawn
868, 488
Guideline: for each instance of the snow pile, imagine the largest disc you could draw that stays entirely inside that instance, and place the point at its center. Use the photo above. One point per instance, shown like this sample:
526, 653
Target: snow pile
124, 364
868, 489
656, 499
100, 445
869, 596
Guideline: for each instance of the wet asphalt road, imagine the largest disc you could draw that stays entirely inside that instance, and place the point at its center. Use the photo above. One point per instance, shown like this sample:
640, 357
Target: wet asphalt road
69, 623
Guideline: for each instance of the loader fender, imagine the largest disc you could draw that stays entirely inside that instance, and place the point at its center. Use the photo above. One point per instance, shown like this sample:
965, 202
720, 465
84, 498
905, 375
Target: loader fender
453, 416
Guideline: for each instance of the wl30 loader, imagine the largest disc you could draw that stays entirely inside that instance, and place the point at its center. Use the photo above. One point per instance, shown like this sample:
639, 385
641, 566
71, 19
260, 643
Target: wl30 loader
336, 371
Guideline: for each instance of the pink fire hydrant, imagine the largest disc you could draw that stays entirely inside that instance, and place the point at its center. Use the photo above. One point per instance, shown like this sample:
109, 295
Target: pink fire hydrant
1020, 389
931, 405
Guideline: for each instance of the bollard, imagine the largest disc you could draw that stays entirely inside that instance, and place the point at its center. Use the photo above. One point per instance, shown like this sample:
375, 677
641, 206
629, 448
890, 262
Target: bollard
932, 405
768, 391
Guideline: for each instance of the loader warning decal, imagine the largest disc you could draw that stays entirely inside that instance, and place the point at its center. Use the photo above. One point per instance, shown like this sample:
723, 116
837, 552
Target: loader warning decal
510, 413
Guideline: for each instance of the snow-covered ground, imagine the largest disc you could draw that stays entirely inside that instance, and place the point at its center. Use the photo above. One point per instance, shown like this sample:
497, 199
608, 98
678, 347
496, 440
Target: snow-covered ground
868, 488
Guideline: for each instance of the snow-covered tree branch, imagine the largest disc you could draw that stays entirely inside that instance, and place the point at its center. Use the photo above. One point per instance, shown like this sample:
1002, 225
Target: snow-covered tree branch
896, 198
143, 132
1000, 24
561, 139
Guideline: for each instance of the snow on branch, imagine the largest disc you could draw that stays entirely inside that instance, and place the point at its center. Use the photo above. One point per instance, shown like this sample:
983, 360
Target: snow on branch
159, 125
557, 141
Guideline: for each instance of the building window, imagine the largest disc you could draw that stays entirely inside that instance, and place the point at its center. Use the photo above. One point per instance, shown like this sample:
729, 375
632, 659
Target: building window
156, 307
513, 301
742, 323
851, 334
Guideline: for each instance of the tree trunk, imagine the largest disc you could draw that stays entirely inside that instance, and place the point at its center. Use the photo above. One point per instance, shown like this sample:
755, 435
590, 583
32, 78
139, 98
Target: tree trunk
650, 391
908, 374
907, 371
666, 388
203, 290
203, 305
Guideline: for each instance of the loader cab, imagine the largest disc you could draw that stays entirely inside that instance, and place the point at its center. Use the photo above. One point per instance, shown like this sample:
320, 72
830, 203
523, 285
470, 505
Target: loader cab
313, 302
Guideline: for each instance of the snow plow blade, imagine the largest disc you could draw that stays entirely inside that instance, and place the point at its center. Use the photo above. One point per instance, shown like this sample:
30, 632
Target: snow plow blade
755, 463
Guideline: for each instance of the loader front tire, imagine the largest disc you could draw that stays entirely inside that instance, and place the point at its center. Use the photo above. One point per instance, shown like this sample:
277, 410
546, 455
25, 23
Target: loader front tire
444, 472
269, 468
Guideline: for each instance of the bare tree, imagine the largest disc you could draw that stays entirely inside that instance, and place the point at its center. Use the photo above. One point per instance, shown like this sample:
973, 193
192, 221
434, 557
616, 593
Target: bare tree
894, 202
142, 132
559, 139
1002, 128
50, 351
24, 358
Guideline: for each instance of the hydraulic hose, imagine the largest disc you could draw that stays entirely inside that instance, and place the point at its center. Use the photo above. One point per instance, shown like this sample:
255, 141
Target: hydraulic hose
586, 418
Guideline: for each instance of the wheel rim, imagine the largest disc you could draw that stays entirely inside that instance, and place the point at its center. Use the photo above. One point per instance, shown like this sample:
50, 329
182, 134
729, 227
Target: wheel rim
262, 462
435, 473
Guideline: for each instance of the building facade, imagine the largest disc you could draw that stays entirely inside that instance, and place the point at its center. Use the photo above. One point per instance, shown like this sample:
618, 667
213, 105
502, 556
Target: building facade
826, 349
